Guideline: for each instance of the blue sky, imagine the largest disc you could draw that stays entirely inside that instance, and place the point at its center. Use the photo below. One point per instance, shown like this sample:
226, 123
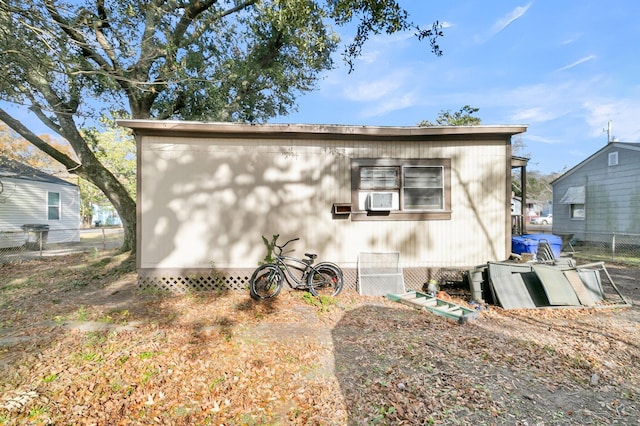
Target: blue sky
564, 68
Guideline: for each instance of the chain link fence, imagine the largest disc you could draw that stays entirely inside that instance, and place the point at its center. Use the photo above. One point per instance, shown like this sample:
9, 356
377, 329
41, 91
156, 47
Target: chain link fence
35, 241
613, 247
38, 241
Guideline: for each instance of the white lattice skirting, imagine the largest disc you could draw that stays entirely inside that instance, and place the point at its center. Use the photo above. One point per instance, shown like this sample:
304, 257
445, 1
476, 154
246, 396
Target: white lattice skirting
180, 282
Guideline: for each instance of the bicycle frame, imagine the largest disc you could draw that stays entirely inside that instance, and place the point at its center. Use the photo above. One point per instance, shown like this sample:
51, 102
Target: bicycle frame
287, 263
300, 274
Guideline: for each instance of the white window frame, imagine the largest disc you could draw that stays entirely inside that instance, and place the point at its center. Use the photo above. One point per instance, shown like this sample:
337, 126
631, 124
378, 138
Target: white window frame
613, 158
437, 187
57, 207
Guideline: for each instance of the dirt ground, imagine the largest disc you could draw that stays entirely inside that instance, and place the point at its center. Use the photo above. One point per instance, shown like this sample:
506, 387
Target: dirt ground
79, 344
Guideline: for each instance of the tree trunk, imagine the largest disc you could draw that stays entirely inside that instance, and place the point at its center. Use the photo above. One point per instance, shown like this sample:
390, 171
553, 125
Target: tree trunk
117, 194
90, 169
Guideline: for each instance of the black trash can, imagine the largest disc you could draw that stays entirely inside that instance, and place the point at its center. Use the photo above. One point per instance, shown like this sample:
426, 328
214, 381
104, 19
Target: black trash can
36, 235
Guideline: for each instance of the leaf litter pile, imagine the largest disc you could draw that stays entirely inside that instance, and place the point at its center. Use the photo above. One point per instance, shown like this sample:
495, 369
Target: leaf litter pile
80, 344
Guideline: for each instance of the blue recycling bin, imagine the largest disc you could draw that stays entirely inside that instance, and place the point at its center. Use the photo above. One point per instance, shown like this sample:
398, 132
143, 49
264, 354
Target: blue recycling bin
528, 243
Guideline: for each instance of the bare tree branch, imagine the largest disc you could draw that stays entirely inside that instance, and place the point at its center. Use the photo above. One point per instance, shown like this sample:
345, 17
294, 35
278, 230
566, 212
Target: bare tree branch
77, 37
17, 126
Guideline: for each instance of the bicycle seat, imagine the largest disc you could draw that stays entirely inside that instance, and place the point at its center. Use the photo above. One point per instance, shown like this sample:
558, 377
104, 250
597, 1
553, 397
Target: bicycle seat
311, 255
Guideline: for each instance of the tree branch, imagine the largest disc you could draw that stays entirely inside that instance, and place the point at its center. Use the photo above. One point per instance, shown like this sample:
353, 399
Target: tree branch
37, 110
197, 8
98, 26
17, 126
77, 37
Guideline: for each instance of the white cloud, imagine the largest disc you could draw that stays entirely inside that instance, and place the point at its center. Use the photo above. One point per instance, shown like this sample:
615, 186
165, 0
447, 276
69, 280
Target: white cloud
533, 114
369, 57
371, 90
623, 114
576, 63
571, 39
503, 23
381, 95
541, 139
390, 104
508, 19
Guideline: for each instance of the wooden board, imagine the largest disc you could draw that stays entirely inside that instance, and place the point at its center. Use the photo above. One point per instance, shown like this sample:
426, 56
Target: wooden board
578, 286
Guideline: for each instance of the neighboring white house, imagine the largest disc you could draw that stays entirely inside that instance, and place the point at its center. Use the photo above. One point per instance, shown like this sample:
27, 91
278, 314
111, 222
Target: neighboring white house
39, 201
105, 215
208, 192
601, 195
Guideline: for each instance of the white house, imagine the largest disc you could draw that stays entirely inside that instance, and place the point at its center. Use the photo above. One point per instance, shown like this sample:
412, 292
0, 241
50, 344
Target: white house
208, 192
39, 201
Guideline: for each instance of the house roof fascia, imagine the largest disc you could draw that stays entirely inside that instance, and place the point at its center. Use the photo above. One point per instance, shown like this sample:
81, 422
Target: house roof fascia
307, 131
11, 169
623, 145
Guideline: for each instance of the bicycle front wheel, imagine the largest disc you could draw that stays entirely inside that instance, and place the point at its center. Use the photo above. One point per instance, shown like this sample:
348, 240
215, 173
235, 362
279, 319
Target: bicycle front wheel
266, 282
325, 280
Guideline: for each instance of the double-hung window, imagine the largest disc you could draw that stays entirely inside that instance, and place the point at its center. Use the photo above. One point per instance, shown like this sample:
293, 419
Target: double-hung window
400, 189
53, 205
423, 188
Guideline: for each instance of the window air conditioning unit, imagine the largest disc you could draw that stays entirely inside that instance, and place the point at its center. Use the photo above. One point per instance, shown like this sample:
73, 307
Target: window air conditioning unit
380, 201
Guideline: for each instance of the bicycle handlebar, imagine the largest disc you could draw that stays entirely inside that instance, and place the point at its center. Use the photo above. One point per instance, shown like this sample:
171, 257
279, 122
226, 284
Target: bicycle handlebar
285, 244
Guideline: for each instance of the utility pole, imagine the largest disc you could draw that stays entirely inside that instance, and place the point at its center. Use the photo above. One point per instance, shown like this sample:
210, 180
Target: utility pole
610, 137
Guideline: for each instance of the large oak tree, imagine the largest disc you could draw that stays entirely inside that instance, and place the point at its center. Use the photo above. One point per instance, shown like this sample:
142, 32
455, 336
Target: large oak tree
74, 62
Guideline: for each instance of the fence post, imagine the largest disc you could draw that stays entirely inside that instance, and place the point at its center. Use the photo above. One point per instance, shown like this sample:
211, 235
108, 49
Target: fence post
40, 241
104, 240
613, 247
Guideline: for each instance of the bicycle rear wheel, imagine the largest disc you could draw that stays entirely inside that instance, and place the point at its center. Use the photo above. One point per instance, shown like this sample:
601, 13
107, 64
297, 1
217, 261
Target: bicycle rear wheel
266, 282
325, 280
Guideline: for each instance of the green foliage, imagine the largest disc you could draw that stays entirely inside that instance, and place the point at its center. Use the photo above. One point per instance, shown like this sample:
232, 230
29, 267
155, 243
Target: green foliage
73, 63
376, 17
269, 257
323, 302
82, 314
538, 186
90, 356
37, 411
116, 149
147, 354
50, 378
217, 276
464, 117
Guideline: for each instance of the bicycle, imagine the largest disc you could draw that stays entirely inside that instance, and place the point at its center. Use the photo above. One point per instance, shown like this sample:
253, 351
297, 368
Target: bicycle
325, 278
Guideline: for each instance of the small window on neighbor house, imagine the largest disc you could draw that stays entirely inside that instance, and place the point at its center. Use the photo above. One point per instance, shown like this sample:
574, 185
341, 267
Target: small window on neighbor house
53, 205
577, 211
613, 158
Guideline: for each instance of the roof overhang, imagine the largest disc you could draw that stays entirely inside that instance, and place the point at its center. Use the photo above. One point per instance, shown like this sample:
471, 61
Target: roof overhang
519, 161
317, 131
573, 195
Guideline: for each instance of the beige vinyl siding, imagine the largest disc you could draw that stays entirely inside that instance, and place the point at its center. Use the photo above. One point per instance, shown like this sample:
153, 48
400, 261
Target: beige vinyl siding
207, 200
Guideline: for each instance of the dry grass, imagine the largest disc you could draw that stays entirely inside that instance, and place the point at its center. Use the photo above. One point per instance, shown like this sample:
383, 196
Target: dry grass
79, 344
